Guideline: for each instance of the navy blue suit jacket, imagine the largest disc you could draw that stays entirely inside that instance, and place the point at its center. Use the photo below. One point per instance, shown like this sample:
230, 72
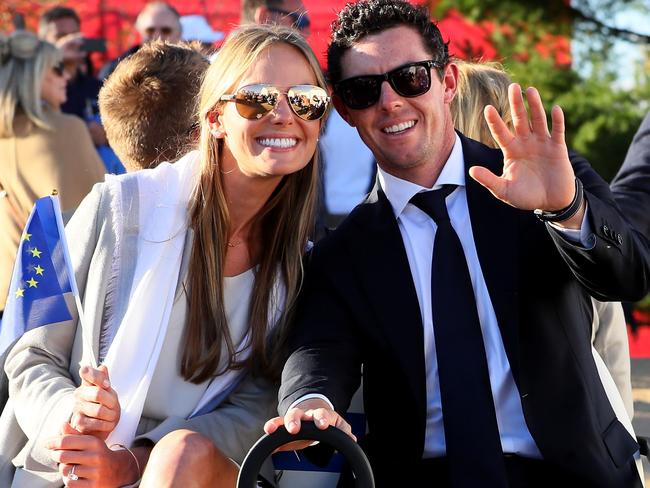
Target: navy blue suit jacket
631, 186
359, 308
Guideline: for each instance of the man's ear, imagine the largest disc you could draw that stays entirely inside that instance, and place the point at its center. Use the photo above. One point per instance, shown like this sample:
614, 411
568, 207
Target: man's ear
261, 15
342, 110
450, 81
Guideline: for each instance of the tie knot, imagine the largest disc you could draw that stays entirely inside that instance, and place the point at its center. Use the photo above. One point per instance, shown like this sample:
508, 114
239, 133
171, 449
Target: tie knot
433, 203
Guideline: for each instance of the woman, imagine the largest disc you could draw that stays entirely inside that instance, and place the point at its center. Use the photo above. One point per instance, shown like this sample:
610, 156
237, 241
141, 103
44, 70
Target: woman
41, 149
185, 270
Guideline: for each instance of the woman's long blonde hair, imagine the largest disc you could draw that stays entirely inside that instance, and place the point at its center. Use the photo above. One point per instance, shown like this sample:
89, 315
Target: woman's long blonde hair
24, 58
480, 84
284, 225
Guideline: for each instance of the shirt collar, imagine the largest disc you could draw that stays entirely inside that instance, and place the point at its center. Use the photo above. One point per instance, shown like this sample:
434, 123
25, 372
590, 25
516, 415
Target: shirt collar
399, 192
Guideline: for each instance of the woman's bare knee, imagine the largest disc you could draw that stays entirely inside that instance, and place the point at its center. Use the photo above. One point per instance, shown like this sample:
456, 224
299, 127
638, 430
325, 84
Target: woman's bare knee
187, 458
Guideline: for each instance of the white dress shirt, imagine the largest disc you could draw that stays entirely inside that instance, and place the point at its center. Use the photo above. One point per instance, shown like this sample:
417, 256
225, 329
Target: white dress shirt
348, 166
418, 232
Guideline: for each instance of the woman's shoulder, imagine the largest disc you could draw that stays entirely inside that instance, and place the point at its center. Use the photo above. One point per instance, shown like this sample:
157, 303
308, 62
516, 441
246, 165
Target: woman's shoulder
65, 121
62, 126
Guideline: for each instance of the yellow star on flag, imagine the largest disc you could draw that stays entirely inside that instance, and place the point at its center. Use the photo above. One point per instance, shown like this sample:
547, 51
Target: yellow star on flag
20, 293
32, 283
26, 236
38, 270
35, 252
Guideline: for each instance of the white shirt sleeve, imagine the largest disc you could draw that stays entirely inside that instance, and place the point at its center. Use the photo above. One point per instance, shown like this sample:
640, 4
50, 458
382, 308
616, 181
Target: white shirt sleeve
310, 396
576, 236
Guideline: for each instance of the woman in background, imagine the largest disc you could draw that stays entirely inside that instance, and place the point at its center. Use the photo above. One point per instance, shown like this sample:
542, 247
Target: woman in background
41, 149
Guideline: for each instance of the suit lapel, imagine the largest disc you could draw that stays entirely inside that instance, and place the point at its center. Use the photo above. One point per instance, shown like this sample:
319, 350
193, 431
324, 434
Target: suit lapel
495, 230
384, 269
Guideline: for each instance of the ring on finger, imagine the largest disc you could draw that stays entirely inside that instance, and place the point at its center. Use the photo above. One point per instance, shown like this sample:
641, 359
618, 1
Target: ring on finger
72, 476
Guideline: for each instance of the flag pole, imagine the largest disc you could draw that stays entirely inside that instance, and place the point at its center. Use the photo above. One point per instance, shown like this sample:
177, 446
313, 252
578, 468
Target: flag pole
87, 343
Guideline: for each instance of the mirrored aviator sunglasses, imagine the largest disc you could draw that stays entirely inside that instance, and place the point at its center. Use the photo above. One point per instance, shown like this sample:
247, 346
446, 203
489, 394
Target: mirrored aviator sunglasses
409, 80
308, 102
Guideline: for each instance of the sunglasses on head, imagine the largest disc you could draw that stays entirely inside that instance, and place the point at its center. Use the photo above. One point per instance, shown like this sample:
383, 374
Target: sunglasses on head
59, 68
409, 80
308, 102
300, 19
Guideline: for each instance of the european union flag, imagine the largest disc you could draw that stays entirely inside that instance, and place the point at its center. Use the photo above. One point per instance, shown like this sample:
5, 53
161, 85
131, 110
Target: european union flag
41, 276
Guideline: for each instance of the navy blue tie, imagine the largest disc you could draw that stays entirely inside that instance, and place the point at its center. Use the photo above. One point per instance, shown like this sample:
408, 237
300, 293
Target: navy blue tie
471, 432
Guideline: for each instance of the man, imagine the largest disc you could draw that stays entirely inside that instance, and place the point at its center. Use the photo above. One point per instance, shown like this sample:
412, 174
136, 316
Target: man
61, 26
149, 104
631, 186
631, 189
156, 21
290, 13
470, 316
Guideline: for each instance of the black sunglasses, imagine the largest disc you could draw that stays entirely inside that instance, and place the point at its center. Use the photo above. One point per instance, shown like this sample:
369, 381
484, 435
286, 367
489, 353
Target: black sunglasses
300, 19
59, 68
409, 80
165, 30
308, 102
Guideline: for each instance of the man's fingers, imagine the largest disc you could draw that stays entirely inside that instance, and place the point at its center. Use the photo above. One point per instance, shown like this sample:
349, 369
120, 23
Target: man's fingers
497, 126
71, 37
345, 427
494, 183
518, 110
95, 376
272, 425
292, 420
537, 113
70, 42
557, 133
324, 417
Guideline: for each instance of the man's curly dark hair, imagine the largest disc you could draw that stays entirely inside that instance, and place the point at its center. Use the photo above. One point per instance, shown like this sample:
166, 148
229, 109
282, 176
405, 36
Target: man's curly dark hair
366, 17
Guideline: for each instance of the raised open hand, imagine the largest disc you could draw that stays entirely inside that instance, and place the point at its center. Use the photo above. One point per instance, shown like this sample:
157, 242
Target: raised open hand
537, 172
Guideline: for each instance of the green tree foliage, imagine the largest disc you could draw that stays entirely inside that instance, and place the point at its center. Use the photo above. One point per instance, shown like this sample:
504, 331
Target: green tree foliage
601, 115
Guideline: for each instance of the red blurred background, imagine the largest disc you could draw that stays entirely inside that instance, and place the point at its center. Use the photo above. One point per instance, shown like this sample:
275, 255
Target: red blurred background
114, 20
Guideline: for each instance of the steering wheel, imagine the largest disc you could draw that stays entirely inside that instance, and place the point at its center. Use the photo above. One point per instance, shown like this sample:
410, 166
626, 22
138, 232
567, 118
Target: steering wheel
332, 436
